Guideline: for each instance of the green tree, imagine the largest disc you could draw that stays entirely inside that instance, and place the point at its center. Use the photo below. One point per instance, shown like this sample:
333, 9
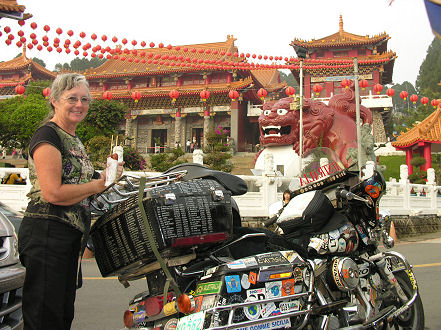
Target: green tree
430, 72
217, 151
290, 80
418, 176
98, 149
80, 64
102, 118
19, 118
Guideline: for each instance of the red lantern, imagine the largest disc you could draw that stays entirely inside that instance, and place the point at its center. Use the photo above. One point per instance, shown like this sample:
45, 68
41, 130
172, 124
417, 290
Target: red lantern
174, 94
107, 95
390, 92
345, 83
34, 25
19, 89
317, 88
378, 88
434, 103
424, 100
233, 95
290, 91
46, 28
59, 31
363, 84
136, 96
94, 36
46, 92
403, 95
414, 98
21, 22
70, 33
124, 41
82, 35
204, 95
262, 93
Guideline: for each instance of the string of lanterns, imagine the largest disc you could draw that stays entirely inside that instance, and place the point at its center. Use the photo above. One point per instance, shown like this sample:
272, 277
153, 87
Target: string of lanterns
234, 60
137, 56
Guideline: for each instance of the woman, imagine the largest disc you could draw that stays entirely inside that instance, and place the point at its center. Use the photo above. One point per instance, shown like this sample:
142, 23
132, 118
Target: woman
57, 216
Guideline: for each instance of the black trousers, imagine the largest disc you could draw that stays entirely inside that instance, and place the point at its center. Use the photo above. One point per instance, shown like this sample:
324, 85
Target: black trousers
49, 250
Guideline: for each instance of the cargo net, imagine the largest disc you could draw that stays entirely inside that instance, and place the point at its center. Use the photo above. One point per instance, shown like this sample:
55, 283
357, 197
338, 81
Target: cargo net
128, 186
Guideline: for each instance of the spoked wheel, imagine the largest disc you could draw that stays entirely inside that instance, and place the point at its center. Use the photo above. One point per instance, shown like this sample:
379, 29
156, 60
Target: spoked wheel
413, 318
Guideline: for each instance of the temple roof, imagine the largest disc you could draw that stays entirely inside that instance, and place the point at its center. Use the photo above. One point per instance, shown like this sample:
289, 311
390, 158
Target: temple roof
429, 130
22, 62
341, 39
269, 79
10, 9
195, 52
148, 92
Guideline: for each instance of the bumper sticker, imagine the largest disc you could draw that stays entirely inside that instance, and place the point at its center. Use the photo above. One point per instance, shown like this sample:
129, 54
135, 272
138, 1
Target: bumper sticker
233, 283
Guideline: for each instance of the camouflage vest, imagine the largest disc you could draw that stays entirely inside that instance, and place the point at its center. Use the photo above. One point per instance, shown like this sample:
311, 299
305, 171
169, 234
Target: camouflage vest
76, 169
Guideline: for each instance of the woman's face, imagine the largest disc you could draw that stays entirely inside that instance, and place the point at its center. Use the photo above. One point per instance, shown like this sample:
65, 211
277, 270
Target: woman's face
287, 197
73, 104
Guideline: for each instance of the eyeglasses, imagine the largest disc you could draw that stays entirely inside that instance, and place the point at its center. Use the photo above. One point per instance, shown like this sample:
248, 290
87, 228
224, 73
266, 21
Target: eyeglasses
74, 100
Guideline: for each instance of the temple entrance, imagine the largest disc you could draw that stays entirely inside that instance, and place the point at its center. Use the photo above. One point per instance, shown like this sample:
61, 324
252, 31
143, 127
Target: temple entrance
159, 140
197, 137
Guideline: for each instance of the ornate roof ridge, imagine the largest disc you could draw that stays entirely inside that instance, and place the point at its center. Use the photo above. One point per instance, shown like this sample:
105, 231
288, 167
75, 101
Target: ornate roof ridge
427, 130
339, 38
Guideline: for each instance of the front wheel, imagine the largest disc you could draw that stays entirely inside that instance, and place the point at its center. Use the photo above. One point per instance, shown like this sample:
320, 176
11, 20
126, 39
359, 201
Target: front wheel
413, 318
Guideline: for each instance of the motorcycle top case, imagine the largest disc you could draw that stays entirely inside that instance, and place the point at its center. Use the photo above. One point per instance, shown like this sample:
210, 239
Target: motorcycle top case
180, 215
306, 213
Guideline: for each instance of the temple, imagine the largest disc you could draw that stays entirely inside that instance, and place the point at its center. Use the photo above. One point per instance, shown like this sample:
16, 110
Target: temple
19, 71
376, 64
156, 118
10, 9
422, 139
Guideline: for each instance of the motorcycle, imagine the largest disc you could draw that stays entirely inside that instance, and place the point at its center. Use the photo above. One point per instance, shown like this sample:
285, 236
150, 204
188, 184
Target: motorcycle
321, 269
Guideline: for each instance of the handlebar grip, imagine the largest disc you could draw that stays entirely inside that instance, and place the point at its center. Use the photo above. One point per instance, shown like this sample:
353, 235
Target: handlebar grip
343, 193
270, 221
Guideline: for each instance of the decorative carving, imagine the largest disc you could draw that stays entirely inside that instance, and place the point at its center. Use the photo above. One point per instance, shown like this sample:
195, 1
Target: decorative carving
332, 126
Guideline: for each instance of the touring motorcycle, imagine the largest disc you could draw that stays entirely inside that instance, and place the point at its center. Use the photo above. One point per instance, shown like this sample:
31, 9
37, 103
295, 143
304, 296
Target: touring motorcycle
321, 269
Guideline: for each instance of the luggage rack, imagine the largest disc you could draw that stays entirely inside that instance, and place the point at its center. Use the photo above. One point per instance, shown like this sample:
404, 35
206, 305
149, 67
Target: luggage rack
128, 186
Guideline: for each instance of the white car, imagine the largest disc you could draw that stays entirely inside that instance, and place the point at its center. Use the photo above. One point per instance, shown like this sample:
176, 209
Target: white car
12, 273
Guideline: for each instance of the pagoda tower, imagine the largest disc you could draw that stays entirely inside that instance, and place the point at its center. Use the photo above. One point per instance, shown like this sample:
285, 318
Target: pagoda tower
19, 71
376, 64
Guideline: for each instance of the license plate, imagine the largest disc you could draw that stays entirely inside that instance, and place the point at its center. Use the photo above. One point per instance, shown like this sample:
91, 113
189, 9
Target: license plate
192, 322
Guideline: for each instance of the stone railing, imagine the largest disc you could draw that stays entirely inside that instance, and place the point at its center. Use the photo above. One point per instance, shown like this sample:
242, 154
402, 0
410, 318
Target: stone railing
401, 198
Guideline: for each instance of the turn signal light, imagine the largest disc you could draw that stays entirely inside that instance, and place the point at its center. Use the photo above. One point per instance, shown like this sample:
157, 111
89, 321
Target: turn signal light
184, 303
128, 319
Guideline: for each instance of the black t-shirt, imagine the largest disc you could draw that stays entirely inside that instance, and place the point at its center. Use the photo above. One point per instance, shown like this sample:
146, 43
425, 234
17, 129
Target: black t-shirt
44, 134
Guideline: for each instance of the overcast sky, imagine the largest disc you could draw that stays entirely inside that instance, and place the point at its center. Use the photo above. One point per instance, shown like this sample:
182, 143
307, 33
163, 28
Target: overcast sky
261, 27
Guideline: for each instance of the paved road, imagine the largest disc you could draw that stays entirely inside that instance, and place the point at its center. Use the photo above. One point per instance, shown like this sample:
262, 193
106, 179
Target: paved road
101, 302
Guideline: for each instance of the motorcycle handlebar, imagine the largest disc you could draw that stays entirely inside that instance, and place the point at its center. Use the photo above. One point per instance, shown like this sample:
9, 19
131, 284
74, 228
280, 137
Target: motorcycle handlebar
270, 221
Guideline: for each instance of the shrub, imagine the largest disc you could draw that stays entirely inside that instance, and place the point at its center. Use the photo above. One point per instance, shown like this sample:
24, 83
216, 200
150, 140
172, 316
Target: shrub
165, 160
98, 148
133, 160
217, 151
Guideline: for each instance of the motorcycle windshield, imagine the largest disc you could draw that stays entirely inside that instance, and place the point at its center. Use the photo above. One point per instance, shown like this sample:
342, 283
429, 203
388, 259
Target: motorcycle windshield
320, 167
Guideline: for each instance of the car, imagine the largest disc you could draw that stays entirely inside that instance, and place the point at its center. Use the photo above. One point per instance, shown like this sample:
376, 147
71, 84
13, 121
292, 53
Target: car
12, 273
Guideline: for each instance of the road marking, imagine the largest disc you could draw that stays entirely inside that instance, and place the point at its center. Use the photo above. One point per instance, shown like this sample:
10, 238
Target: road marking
427, 265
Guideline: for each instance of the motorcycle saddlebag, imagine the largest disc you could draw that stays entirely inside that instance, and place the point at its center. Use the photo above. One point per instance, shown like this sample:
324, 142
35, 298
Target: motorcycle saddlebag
306, 213
180, 216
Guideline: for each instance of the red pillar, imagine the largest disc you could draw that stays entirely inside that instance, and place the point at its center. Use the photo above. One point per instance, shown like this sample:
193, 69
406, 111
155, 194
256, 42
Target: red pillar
427, 155
408, 159
307, 85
